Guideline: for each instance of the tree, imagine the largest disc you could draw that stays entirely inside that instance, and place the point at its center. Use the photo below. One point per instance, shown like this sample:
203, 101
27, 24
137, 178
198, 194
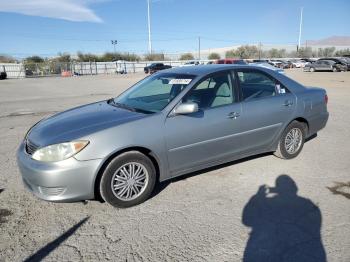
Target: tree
63, 58
343, 52
87, 57
326, 52
154, 57
305, 52
34, 59
248, 51
244, 52
276, 53
186, 56
7, 59
231, 54
213, 56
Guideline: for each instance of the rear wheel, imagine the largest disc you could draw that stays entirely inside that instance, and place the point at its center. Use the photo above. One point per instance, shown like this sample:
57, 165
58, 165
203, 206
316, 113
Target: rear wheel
128, 180
292, 140
334, 69
312, 69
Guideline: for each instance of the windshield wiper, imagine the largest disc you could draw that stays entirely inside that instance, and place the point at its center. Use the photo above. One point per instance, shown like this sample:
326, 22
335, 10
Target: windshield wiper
124, 106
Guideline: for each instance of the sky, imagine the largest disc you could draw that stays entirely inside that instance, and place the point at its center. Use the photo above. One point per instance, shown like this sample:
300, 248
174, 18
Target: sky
46, 27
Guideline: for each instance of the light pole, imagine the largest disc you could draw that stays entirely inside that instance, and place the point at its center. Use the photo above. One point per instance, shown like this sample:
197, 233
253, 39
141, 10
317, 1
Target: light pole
199, 48
300, 26
114, 43
149, 27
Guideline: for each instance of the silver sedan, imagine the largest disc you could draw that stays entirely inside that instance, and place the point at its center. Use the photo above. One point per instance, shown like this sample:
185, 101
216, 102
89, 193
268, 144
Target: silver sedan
171, 123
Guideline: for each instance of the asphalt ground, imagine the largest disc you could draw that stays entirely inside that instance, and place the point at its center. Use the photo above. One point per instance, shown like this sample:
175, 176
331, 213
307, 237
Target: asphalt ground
218, 214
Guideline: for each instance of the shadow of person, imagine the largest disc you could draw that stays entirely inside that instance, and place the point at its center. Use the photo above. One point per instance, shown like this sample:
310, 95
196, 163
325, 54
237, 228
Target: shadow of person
285, 226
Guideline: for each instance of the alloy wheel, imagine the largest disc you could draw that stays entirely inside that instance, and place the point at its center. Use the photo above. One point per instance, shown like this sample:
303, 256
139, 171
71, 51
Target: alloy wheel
129, 181
293, 140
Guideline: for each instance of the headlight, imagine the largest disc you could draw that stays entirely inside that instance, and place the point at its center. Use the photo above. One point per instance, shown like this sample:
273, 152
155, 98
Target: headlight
58, 152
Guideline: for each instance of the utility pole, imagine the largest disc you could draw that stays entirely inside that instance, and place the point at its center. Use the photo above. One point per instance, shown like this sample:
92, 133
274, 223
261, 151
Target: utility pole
300, 26
199, 48
149, 27
259, 50
114, 43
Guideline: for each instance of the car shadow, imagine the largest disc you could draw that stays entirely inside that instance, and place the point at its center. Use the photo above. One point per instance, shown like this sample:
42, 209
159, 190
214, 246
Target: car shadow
47, 249
162, 185
284, 226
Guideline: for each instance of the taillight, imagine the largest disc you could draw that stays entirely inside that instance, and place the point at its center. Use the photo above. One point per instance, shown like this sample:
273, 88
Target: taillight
326, 99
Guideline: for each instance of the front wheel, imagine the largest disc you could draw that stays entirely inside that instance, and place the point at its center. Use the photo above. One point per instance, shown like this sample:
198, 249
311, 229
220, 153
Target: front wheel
128, 180
334, 69
292, 140
312, 69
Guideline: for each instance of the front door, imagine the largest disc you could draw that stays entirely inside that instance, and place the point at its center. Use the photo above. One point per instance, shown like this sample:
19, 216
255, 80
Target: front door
209, 134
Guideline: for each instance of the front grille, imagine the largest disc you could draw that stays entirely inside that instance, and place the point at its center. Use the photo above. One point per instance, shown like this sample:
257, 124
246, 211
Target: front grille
31, 147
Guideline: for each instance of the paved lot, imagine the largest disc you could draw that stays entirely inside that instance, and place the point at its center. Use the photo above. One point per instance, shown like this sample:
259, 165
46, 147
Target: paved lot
206, 217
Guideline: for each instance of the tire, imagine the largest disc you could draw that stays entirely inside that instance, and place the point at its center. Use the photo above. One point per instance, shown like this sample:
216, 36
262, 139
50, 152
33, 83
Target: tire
117, 175
287, 153
334, 69
312, 69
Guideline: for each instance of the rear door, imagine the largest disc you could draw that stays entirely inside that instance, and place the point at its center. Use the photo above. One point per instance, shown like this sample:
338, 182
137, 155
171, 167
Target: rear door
267, 106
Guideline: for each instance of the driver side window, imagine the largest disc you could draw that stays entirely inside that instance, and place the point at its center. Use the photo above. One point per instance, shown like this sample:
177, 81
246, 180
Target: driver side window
212, 92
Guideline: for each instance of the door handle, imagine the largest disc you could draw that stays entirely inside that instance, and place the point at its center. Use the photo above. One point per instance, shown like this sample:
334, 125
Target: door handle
288, 103
233, 115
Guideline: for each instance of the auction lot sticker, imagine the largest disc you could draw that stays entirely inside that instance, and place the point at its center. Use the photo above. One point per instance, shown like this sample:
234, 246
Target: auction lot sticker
180, 81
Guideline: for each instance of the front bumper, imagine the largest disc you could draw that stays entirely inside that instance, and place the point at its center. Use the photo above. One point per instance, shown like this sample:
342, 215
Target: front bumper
64, 181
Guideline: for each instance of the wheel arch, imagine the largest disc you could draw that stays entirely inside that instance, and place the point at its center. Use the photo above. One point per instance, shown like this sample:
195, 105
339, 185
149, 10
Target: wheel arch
302, 120
147, 152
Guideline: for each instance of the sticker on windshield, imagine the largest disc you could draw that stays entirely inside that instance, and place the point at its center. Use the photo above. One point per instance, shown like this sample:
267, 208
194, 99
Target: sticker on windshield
180, 81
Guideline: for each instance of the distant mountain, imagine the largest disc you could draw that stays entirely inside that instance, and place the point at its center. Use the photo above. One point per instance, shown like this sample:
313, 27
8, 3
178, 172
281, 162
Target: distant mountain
331, 41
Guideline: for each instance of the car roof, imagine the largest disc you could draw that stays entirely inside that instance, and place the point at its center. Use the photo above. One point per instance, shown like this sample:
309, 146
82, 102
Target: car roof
208, 69
202, 70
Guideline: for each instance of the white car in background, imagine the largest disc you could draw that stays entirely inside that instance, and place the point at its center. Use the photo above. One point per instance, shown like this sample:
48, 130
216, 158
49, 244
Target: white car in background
298, 63
190, 63
269, 66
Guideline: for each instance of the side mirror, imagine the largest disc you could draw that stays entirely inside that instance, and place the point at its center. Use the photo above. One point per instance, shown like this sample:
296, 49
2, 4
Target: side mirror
186, 108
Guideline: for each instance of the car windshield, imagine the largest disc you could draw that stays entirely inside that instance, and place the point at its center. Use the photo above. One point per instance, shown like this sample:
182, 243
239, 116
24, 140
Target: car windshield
154, 93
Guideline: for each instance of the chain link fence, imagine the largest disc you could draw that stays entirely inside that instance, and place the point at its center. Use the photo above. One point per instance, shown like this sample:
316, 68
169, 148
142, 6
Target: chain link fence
50, 68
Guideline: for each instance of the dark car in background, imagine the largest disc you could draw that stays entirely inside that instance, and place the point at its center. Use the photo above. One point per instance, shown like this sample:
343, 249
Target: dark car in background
155, 67
324, 65
3, 74
342, 61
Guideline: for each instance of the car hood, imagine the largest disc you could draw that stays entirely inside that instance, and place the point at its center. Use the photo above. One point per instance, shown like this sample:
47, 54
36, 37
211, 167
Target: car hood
79, 122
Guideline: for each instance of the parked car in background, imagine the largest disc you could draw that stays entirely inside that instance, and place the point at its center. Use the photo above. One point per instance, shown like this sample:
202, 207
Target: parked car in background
172, 123
190, 63
341, 61
260, 60
286, 64
276, 63
155, 67
231, 61
3, 74
298, 63
325, 65
269, 66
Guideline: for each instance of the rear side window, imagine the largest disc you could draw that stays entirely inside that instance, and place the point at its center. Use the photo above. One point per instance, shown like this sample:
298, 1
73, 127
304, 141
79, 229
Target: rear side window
255, 85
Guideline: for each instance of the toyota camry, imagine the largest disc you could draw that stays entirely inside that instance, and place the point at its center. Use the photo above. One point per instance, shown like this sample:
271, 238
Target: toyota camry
171, 123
